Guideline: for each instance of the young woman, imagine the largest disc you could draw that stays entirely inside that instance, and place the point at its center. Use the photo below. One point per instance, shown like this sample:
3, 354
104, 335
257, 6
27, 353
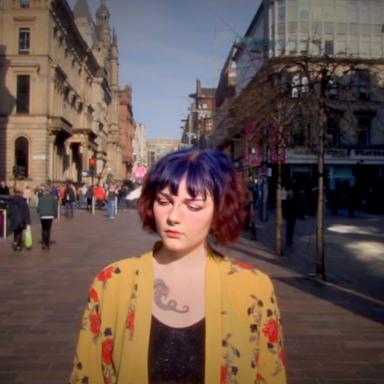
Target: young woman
183, 313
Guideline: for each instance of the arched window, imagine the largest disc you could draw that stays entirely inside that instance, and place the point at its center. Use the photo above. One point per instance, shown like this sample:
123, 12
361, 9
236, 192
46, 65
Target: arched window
21, 157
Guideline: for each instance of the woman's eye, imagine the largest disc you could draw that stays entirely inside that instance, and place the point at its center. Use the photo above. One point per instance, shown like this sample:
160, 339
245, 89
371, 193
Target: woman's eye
162, 201
194, 208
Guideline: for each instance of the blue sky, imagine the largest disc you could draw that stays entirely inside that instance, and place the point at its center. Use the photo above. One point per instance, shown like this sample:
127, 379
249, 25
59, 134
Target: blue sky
166, 45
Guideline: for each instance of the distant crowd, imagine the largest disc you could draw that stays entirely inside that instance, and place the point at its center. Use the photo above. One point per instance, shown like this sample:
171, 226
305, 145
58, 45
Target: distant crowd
48, 198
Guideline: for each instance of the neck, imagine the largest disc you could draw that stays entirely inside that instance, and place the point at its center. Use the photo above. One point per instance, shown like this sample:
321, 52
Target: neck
188, 257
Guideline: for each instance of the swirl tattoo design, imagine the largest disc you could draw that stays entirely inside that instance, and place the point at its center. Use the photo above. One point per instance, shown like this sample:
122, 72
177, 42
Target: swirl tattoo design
160, 295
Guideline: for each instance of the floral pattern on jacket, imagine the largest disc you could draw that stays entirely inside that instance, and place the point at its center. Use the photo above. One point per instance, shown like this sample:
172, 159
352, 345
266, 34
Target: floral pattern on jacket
242, 320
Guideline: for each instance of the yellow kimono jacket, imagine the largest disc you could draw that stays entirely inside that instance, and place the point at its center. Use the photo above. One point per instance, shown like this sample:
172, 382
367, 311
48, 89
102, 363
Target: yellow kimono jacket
243, 342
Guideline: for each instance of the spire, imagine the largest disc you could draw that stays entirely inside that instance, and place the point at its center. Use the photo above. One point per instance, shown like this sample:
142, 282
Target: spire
114, 37
81, 10
102, 13
102, 24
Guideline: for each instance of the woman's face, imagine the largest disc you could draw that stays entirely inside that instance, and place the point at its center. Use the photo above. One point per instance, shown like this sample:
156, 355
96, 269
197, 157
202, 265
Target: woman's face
183, 222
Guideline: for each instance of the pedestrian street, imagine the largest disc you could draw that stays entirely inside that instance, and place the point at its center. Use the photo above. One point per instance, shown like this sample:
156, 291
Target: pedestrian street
331, 334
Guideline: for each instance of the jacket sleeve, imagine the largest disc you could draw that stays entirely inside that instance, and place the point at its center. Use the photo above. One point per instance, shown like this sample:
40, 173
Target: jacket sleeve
88, 365
271, 358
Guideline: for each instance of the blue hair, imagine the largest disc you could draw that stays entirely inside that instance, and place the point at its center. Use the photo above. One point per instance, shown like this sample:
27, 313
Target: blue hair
205, 170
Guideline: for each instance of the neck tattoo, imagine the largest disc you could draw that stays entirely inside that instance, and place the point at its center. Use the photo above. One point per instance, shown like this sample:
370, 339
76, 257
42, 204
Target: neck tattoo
160, 296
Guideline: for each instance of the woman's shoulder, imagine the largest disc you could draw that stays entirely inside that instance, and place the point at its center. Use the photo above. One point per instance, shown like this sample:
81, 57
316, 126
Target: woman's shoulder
240, 272
121, 269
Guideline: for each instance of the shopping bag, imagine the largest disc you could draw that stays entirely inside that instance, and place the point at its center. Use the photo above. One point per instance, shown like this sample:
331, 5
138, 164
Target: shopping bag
27, 237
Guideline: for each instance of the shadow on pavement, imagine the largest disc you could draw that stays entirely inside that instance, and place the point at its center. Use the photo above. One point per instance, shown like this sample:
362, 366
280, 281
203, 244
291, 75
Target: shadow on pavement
351, 300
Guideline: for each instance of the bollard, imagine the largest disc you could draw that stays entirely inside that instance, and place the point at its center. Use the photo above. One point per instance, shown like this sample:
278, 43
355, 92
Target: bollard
115, 205
93, 205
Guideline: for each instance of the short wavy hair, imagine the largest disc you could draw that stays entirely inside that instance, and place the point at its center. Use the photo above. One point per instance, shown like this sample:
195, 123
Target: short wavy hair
207, 171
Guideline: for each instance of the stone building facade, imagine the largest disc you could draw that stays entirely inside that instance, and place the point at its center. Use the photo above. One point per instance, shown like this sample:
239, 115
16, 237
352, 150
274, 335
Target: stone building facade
157, 148
127, 131
59, 92
197, 129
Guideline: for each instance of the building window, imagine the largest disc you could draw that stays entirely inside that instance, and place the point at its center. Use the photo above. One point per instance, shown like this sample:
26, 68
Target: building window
333, 88
363, 85
333, 131
364, 130
21, 157
24, 40
328, 47
24, 3
300, 85
22, 94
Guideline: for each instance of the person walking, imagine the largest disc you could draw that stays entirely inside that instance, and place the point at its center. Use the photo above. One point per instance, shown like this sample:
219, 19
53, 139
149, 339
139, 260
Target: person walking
291, 210
111, 201
89, 196
183, 312
69, 199
19, 217
47, 210
27, 194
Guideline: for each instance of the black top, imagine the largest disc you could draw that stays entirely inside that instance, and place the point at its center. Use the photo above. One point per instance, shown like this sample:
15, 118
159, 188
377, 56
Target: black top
176, 355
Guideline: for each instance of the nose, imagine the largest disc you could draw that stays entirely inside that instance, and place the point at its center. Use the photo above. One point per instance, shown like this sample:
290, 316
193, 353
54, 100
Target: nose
174, 215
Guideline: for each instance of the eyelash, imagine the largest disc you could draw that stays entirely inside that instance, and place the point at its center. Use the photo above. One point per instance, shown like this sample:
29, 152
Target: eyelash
163, 202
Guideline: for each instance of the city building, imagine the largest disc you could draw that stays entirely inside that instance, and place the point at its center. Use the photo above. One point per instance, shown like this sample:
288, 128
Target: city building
139, 152
327, 59
157, 148
58, 91
127, 131
197, 129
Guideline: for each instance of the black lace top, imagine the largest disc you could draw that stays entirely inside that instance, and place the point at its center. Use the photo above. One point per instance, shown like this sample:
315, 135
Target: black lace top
176, 355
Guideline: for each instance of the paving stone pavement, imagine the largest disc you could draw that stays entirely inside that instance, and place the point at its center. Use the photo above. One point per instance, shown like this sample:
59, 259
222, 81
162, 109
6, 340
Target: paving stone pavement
333, 335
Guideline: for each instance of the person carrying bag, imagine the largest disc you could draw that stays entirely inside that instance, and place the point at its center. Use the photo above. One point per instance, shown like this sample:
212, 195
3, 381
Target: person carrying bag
27, 237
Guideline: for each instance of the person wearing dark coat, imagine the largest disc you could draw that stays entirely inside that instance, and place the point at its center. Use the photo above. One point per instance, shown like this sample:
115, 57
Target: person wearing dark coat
291, 210
69, 200
19, 218
47, 210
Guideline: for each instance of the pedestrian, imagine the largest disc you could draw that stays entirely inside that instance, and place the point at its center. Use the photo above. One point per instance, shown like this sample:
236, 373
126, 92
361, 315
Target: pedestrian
111, 201
27, 194
89, 196
291, 210
183, 312
69, 200
122, 195
19, 217
99, 193
47, 210
4, 190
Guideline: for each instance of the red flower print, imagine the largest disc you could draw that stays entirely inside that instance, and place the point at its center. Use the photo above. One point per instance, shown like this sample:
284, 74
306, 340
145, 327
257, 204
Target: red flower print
93, 294
223, 375
282, 356
243, 265
105, 274
256, 359
259, 378
130, 323
271, 330
106, 351
95, 323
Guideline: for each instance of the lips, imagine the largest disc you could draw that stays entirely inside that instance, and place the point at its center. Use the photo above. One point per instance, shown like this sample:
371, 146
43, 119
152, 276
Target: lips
173, 234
